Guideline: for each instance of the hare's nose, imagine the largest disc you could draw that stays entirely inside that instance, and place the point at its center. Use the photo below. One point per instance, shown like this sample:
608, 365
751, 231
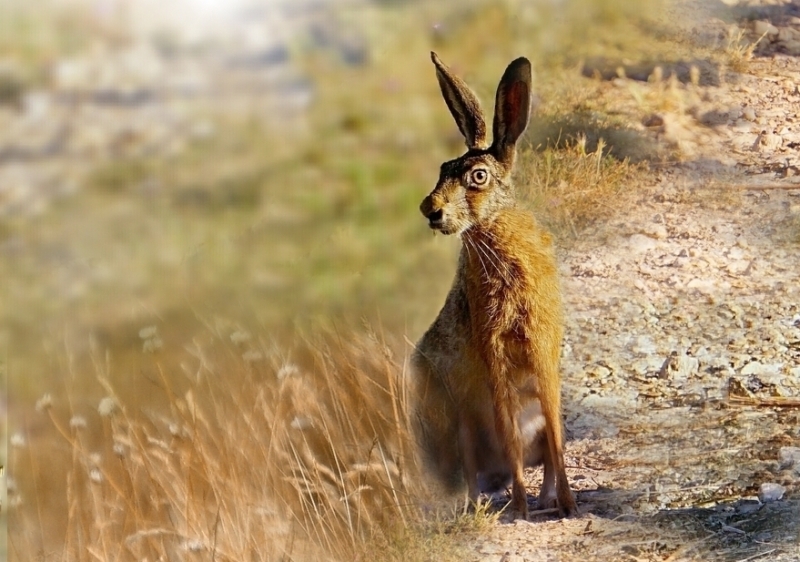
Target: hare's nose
435, 218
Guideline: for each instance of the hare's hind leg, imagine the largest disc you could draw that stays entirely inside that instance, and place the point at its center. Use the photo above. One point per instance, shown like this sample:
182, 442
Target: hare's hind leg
435, 423
547, 495
506, 410
554, 468
467, 441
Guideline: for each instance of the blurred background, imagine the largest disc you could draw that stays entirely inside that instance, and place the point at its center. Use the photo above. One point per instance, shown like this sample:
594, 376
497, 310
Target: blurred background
174, 168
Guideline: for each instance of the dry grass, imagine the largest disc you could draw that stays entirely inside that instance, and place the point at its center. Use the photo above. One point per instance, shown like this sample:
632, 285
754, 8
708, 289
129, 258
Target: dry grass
574, 187
252, 459
740, 48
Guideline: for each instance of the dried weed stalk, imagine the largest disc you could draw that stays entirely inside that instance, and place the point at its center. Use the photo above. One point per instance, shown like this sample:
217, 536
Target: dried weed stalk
250, 461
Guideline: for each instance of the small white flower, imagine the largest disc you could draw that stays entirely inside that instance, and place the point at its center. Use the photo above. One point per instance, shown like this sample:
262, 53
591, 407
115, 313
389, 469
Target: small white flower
287, 370
152, 345
107, 407
44, 403
174, 429
300, 423
251, 356
240, 336
96, 476
119, 449
194, 545
148, 332
17, 440
77, 422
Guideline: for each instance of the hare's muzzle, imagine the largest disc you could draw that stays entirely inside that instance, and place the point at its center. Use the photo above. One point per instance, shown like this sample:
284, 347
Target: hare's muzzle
435, 216
436, 219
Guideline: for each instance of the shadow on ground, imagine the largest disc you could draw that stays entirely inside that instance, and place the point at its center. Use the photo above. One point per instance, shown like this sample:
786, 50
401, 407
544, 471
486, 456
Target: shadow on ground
741, 529
729, 531
776, 14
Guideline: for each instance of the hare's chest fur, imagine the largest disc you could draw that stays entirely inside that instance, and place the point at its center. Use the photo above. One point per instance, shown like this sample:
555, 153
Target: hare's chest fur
511, 286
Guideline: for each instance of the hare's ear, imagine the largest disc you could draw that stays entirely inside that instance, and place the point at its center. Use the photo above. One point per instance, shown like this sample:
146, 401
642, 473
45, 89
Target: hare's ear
463, 104
512, 107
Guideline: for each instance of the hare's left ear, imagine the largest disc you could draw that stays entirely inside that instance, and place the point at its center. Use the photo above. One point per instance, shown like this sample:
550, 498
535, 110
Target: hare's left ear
512, 107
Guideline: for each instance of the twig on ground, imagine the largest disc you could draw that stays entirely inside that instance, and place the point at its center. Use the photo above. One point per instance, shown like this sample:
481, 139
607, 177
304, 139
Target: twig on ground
682, 551
731, 529
759, 555
769, 402
548, 511
756, 187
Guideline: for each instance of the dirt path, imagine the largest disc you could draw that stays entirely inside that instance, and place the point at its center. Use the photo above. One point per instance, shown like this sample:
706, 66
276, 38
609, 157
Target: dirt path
686, 302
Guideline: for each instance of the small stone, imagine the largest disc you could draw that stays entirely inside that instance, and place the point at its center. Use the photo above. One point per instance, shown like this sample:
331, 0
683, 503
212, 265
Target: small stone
770, 492
644, 345
640, 243
770, 141
599, 371
655, 230
787, 34
702, 285
738, 267
641, 366
792, 47
749, 113
491, 548
748, 506
682, 366
757, 368
764, 28
736, 253
789, 458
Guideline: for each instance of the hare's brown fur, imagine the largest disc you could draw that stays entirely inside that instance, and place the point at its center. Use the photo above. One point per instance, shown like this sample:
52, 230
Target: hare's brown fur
488, 383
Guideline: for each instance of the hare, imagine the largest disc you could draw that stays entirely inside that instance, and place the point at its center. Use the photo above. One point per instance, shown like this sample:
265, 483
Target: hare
487, 369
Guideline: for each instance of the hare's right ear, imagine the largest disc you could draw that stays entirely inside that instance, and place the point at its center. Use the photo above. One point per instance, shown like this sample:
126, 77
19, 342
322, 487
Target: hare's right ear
512, 108
463, 104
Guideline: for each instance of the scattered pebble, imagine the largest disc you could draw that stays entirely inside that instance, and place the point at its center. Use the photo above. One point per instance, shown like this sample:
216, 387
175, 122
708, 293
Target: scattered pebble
789, 459
770, 492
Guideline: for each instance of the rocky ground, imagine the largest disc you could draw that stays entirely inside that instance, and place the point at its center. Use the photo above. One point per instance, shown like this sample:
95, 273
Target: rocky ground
682, 363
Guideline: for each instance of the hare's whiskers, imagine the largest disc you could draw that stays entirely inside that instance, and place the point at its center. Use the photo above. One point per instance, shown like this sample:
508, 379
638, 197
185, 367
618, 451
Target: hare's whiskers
478, 253
500, 264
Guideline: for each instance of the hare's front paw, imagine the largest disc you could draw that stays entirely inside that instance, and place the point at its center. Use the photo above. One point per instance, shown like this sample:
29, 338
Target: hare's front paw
548, 499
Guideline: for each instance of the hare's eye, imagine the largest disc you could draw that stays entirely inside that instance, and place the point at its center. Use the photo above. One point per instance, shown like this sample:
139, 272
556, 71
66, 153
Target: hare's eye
480, 176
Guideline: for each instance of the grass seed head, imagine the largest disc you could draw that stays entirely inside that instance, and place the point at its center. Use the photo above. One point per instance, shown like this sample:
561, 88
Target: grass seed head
44, 403
108, 407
